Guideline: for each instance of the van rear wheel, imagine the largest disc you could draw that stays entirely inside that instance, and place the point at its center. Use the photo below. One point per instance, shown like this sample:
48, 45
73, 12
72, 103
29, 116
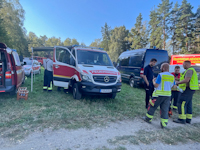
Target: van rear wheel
76, 93
132, 82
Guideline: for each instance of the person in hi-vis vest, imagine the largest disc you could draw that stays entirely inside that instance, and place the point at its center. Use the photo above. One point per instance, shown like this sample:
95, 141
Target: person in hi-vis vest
48, 73
161, 95
175, 92
189, 84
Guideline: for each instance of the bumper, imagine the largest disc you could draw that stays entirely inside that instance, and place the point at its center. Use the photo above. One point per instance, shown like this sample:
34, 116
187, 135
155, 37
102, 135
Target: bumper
139, 81
90, 88
7, 89
27, 73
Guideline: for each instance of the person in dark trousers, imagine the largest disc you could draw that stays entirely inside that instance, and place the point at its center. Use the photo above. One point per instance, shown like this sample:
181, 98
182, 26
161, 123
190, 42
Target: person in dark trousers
161, 95
148, 77
189, 84
175, 92
48, 73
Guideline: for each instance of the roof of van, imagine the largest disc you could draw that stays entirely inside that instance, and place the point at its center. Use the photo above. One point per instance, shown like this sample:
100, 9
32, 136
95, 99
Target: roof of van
69, 47
138, 51
8, 50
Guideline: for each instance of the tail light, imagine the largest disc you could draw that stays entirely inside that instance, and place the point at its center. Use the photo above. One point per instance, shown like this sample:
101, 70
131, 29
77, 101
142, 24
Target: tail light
141, 71
8, 75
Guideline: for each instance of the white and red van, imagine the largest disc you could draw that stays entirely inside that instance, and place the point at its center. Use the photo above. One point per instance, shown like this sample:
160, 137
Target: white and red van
87, 70
11, 71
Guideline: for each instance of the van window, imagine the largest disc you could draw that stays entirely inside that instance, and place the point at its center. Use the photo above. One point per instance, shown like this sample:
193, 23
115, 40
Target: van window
63, 56
93, 58
16, 58
125, 61
136, 61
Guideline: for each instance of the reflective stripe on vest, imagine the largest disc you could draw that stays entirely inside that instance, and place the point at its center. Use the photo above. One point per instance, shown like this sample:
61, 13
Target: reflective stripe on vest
193, 81
164, 88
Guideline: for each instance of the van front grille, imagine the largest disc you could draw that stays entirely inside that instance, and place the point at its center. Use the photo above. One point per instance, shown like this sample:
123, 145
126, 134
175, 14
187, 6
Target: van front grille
105, 79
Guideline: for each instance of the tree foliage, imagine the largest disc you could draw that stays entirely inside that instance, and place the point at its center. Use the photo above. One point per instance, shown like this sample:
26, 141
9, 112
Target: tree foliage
138, 37
118, 42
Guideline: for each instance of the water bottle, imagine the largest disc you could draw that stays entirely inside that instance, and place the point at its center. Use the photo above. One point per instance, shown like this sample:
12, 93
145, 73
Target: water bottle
179, 89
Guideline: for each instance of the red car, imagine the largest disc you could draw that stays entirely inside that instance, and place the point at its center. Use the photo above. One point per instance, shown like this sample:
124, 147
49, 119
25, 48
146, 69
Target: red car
39, 59
11, 71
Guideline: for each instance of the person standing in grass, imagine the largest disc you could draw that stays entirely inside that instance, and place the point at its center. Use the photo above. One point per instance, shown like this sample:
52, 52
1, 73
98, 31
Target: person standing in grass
189, 84
148, 77
48, 73
161, 95
175, 92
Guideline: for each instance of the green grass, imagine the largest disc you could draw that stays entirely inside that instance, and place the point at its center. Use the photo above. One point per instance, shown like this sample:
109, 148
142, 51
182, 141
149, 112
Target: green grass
59, 110
167, 136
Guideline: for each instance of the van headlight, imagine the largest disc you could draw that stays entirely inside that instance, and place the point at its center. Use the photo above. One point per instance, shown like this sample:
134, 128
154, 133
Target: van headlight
119, 79
86, 77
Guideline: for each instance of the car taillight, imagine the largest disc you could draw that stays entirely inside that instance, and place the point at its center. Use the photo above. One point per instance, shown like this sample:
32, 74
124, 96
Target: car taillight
142, 71
8, 75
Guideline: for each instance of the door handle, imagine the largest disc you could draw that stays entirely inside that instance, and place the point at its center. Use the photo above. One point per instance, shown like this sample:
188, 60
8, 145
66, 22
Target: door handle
56, 66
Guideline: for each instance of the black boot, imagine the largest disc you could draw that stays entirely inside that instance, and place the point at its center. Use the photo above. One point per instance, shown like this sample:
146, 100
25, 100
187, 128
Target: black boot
181, 121
146, 119
188, 121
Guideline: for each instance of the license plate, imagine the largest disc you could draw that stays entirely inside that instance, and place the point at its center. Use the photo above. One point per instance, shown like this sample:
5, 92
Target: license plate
105, 90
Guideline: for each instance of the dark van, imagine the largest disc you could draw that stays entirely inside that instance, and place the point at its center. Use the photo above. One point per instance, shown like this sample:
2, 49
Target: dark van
131, 64
11, 71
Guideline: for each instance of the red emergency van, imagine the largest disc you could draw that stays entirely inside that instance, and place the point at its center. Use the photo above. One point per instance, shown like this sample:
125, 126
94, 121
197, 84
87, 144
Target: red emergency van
179, 59
11, 71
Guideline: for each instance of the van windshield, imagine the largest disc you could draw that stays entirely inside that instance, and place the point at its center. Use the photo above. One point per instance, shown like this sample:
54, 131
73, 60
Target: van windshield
93, 58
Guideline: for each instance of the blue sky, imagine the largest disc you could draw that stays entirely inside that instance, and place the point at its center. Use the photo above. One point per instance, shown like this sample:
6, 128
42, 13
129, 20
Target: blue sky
83, 19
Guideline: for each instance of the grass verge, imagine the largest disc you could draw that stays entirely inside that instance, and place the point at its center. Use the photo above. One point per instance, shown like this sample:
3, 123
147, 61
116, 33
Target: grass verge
59, 110
167, 136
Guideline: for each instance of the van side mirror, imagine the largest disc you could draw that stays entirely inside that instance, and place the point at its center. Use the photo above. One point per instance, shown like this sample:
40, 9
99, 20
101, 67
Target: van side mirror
114, 64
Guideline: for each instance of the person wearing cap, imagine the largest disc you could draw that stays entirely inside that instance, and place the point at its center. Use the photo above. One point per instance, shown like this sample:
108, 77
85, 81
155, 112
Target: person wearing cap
48, 73
189, 84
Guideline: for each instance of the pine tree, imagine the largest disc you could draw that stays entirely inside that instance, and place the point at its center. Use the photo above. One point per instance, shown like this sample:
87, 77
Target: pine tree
118, 42
138, 36
106, 33
185, 27
175, 14
155, 30
164, 18
197, 32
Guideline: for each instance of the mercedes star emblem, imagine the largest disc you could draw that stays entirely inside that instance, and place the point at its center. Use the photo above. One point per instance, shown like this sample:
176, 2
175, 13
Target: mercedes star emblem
106, 79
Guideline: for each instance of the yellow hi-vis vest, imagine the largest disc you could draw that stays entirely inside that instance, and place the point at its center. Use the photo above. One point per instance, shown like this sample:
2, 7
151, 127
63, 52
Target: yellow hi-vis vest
164, 88
193, 81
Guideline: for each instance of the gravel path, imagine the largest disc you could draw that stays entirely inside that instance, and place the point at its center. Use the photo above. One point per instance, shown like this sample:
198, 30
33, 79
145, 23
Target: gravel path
82, 139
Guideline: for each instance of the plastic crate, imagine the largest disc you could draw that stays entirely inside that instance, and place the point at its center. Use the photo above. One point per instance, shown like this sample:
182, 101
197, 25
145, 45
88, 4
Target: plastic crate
22, 93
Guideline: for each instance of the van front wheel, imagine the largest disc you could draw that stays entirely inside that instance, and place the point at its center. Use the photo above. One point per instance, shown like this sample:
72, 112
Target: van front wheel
76, 93
132, 82
113, 95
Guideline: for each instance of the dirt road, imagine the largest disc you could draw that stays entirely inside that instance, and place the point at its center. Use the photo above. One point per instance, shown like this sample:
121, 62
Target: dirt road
95, 138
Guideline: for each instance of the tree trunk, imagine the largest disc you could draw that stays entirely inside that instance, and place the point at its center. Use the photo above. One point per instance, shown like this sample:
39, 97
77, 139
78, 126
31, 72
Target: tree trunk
164, 34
